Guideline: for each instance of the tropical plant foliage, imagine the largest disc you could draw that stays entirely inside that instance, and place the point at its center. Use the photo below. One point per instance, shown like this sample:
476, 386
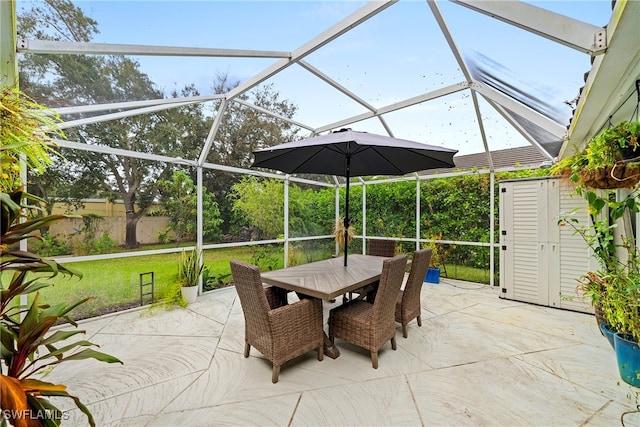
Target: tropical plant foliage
23, 133
600, 163
28, 347
190, 268
179, 200
27, 344
615, 286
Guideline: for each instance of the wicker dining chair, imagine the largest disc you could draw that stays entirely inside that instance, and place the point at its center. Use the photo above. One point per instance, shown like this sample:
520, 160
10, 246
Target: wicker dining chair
386, 248
279, 332
382, 248
371, 325
408, 300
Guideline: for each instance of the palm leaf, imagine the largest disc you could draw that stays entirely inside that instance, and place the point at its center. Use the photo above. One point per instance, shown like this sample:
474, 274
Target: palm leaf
93, 354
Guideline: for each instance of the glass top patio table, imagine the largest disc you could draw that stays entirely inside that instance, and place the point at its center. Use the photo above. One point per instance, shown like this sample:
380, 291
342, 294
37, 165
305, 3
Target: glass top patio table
329, 278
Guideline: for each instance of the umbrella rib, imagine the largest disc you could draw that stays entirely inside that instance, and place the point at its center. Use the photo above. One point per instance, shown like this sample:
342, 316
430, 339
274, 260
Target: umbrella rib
319, 152
307, 160
397, 169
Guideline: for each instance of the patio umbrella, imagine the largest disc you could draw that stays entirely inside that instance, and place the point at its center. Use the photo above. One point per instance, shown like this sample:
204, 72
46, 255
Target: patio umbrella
349, 154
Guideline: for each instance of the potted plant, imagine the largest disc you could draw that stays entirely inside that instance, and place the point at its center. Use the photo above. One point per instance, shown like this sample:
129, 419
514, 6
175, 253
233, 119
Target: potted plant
189, 271
28, 346
433, 272
608, 161
615, 288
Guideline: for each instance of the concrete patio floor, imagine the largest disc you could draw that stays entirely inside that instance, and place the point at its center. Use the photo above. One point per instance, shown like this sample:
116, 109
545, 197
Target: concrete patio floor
477, 360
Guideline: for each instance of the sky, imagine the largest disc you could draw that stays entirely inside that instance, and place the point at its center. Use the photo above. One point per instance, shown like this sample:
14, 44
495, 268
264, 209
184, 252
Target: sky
398, 54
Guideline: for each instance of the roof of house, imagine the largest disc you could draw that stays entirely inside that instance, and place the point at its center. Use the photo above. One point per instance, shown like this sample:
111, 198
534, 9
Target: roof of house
518, 157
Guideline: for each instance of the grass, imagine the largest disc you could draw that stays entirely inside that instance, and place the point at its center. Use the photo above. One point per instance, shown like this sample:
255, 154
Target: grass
114, 284
470, 274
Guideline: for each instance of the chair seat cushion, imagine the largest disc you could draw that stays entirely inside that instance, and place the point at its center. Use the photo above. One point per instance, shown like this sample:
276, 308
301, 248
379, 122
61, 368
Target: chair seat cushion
358, 310
352, 322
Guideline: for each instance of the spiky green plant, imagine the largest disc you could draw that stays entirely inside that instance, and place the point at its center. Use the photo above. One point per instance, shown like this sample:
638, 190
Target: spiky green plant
190, 268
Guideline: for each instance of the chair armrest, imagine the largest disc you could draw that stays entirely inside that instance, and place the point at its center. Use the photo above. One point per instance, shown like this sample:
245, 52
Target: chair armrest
276, 297
301, 315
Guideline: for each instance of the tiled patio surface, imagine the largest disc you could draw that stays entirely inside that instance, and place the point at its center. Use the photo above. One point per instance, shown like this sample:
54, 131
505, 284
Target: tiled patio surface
477, 360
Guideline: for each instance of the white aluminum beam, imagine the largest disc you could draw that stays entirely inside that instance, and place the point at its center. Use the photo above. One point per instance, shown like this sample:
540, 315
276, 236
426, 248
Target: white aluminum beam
77, 48
584, 37
533, 116
285, 209
133, 104
438, 93
612, 76
396, 106
272, 114
199, 222
120, 115
361, 15
336, 85
483, 135
435, 10
126, 153
212, 132
520, 129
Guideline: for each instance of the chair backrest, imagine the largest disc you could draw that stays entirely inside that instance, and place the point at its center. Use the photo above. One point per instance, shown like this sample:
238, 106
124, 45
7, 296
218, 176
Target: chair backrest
419, 267
248, 284
390, 282
382, 248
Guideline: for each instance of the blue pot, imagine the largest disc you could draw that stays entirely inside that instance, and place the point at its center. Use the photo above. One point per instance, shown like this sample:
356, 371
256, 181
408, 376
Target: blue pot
628, 356
604, 328
433, 275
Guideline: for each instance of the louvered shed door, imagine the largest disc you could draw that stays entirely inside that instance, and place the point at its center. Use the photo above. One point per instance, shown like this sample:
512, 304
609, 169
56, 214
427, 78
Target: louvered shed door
524, 267
574, 254
540, 261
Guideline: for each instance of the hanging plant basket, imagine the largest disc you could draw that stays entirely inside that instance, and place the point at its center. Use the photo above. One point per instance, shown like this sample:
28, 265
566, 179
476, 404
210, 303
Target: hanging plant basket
620, 175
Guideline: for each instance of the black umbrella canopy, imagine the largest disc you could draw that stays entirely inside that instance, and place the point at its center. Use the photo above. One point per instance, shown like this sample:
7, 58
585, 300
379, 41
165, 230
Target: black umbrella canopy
350, 153
365, 154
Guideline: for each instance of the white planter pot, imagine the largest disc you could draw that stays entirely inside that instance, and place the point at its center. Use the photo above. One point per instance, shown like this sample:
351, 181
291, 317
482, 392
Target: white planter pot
189, 293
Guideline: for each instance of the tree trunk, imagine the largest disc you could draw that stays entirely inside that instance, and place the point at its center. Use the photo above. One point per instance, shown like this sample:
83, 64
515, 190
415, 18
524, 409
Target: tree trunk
131, 241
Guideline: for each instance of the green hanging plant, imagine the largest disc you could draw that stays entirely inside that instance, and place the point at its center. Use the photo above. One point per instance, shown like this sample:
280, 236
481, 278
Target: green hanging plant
601, 164
26, 132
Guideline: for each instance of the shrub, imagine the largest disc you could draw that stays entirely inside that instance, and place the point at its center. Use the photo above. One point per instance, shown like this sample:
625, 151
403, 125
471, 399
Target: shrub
52, 246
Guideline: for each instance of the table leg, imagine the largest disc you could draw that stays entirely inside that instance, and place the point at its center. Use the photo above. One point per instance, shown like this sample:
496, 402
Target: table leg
329, 348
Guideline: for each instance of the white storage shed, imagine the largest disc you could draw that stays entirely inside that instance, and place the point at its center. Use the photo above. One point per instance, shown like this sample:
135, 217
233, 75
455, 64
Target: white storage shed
540, 260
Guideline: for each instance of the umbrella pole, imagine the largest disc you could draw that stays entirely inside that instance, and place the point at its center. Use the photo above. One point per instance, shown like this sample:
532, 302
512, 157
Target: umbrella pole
346, 224
346, 210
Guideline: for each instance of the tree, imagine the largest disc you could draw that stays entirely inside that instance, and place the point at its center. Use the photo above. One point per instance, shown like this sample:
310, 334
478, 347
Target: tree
242, 131
62, 80
261, 203
78, 79
179, 202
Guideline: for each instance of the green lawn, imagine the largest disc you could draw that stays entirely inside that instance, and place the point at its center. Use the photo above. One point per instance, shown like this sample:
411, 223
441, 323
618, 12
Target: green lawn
113, 284
462, 272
